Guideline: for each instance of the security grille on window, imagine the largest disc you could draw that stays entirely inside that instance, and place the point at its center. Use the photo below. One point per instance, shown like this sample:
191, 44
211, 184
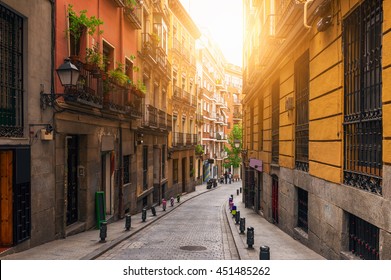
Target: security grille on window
302, 82
275, 121
363, 238
362, 43
126, 163
302, 217
145, 167
11, 74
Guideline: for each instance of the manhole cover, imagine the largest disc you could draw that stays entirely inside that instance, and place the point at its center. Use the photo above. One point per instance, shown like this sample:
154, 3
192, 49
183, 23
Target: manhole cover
193, 248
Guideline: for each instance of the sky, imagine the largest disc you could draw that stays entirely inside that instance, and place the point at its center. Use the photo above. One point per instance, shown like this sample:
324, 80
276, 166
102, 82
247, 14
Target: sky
224, 21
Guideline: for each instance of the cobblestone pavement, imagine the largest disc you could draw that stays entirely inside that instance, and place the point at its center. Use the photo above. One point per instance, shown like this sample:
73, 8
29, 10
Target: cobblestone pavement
196, 231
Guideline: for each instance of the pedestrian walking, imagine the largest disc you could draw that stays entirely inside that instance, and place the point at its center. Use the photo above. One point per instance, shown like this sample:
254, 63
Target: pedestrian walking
226, 176
164, 202
172, 201
230, 177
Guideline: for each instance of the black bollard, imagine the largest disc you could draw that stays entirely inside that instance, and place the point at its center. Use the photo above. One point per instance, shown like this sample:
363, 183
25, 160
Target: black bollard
237, 217
242, 225
144, 214
250, 237
178, 198
103, 231
128, 221
240, 189
264, 253
237, 192
232, 196
153, 210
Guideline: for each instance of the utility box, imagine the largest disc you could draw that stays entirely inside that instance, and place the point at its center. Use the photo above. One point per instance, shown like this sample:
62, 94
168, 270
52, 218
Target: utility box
46, 135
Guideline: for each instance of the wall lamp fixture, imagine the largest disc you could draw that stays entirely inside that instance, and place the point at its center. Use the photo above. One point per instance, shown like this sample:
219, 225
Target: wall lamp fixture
69, 75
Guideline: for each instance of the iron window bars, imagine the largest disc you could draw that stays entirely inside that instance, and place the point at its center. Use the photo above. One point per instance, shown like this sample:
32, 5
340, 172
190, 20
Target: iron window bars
362, 47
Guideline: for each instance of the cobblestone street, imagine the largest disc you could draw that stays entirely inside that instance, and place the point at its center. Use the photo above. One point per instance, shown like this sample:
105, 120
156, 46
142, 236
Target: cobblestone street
196, 230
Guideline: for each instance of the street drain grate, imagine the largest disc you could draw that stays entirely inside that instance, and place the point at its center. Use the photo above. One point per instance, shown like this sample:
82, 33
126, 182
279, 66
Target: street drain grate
193, 248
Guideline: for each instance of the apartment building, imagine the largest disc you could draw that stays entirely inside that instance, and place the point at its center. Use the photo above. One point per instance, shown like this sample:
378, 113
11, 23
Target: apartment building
316, 122
183, 101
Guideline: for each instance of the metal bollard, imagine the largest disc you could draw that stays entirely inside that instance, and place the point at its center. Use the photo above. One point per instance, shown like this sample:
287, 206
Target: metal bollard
237, 217
103, 231
242, 225
232, 196
178, 198
172, 201
240, 189
153, 210
237, 192
250, 237
144, 214
128, 221
264, 253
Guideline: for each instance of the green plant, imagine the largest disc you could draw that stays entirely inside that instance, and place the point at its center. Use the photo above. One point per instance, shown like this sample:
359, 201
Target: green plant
131, 4
141, 86
118, 75
199, 149
94, 57
80, 22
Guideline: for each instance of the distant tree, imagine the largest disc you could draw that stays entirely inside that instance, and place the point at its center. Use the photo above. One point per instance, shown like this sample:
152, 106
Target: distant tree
233, 153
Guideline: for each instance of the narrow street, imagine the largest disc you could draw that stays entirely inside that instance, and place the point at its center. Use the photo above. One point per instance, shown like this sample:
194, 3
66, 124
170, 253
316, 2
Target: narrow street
197, 230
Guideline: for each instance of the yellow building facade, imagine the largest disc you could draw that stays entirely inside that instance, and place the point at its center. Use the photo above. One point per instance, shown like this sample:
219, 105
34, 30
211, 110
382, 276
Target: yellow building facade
317, 117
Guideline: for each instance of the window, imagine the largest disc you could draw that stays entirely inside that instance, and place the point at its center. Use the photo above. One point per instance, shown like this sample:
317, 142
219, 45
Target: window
275, 120
108, 53
260, 123
191, 166
252, 128
302, 215
175, 171
164, 161
11, 74
145, 167
362, 46
301, 127
363, 238
126, 163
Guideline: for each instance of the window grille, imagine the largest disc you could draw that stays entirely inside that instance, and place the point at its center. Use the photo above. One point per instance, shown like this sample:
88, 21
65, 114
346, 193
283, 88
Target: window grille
301, 128
145, 167
302, 217
126, 163
11, 74
363, 238
362, 43
275, 120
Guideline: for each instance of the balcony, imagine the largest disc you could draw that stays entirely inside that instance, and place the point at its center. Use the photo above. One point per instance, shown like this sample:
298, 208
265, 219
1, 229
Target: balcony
161, 59
286, 16
148, 46
237, 116
133, 14
177, 46
221, 137
150, 118
177, 92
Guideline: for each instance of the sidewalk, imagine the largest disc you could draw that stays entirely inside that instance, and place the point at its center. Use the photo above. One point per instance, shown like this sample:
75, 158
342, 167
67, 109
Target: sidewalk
87, 245
281, 245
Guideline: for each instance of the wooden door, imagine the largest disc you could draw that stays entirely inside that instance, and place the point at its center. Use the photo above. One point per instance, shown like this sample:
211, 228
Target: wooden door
6, 198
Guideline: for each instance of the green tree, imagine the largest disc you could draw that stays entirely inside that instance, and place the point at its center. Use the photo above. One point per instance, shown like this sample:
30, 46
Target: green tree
233, 153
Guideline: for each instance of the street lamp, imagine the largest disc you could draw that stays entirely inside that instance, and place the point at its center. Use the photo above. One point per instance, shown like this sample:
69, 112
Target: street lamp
68, 75
237, 143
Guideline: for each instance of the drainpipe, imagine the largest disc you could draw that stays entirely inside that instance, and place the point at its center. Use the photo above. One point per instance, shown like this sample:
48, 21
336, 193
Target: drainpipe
120, 180
307, 2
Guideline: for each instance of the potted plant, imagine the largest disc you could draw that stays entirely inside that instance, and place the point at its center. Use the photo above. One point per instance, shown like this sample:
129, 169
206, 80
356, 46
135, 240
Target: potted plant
94, 58
141, 87
118, 75
199, 150
80, 22
130, 4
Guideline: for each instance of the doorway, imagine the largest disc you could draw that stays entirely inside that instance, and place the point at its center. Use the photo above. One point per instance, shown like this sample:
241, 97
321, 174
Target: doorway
6, 166
72, 190
108, 181
183, 175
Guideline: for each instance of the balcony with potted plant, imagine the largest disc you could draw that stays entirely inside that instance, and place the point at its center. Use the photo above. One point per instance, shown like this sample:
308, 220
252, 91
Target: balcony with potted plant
133, 12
